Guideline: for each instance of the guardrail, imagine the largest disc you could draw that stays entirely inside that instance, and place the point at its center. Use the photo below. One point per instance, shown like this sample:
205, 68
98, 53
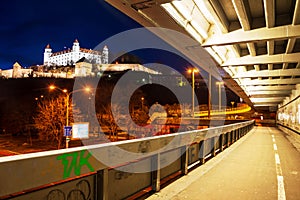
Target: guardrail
116, 170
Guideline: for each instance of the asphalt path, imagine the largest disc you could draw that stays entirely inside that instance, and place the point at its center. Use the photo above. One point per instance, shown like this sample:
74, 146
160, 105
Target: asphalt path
264, 164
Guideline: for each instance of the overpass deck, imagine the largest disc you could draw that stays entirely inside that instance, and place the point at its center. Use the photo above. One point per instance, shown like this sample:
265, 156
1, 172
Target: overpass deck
264, 164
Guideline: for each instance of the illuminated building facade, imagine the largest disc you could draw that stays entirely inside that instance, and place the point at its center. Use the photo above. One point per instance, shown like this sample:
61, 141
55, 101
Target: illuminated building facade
71, 56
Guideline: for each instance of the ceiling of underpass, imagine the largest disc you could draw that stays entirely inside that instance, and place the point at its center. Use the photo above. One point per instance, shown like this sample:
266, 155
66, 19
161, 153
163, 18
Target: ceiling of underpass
255, 43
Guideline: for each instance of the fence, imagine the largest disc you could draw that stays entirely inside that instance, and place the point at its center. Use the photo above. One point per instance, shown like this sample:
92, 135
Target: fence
116, 170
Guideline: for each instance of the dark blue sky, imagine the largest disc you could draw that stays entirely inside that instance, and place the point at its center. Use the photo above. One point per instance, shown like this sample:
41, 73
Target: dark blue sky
28, 26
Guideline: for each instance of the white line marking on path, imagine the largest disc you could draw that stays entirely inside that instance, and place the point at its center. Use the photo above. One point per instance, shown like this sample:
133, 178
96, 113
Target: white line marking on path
277, 159
281, 191
273, 138
280, 182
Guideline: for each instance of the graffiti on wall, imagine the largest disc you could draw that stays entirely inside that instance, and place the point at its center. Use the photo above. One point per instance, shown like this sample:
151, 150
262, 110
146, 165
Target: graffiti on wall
74, 161
81, 192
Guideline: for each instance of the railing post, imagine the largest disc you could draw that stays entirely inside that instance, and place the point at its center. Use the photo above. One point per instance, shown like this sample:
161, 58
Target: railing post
228, 139
101, 185
213, 145
155, 172
235, 135
202, 152
184, 159
221, 141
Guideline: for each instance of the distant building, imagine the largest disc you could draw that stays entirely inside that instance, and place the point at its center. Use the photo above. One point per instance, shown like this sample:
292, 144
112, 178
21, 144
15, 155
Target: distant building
71, 56
7, 73
75, 62
83, 68
124, 67
16, 72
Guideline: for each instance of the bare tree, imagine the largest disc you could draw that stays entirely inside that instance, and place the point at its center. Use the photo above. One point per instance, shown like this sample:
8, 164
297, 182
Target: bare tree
111, 118
51, 118
186, 109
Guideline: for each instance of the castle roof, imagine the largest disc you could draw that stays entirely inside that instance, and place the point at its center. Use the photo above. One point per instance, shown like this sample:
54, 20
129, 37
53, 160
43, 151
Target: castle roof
48, 46
61, 52
84, 50
90, 51
17, 65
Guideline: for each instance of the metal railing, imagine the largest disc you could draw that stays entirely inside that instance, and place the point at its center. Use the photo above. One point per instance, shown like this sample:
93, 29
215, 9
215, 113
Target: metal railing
101, 172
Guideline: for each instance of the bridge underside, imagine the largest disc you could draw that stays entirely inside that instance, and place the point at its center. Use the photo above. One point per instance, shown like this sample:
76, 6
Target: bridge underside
256, 44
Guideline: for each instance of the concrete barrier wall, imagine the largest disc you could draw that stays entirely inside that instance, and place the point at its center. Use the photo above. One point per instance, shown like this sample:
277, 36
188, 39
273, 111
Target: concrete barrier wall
104, 172
288, 114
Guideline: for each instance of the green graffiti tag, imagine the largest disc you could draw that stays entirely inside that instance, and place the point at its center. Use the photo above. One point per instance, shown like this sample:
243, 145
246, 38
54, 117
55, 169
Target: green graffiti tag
70, 164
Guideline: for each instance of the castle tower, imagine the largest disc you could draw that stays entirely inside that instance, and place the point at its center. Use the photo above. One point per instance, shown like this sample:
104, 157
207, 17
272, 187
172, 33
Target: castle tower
47, 54
17, 73
75, 51
105, 55
76, 46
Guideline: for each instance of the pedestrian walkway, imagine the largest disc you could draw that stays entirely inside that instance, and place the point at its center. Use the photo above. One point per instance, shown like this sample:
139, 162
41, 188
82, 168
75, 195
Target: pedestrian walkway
262, 165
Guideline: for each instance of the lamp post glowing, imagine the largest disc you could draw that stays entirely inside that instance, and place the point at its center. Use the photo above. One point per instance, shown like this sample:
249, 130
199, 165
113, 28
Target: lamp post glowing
232, 103
67, 99
142, 102
193, 71
220, 84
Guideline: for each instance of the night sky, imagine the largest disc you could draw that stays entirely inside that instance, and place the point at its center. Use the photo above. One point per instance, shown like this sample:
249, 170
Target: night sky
28, 26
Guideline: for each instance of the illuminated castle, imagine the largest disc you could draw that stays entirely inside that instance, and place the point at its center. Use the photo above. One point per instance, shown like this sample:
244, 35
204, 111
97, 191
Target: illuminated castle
71, 56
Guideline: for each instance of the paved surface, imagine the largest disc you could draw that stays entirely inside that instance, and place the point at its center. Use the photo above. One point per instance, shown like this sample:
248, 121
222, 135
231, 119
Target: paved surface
262, 165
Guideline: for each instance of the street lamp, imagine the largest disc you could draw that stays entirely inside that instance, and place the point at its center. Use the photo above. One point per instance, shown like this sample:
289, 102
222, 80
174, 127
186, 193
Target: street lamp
193, 71
220, 84
53, 87
232, 103
142, 102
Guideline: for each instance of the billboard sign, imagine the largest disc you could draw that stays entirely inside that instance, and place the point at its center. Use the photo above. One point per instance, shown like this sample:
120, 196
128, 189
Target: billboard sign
80, 130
